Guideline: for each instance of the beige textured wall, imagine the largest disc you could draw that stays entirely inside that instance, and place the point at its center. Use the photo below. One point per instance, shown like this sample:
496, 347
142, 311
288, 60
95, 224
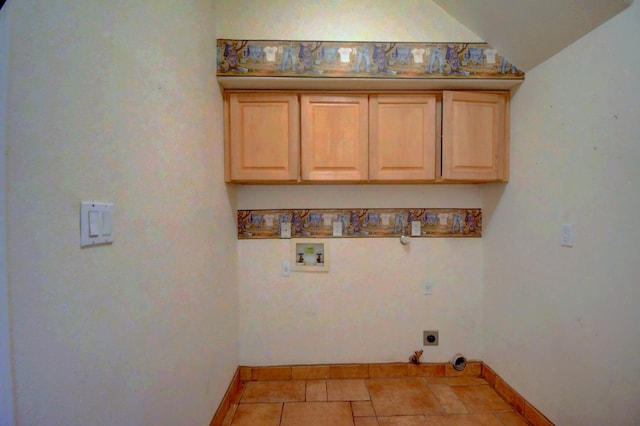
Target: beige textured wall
366, 20
370, 306
118, 102
562, 323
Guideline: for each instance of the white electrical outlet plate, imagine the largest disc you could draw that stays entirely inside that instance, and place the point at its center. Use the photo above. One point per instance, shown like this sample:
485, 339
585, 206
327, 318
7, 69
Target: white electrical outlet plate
337, 229
285, 230
566, 235
286, 268
427, 288
415, 228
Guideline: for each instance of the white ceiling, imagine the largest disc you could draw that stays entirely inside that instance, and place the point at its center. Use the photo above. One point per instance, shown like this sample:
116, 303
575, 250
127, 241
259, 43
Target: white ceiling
527, 32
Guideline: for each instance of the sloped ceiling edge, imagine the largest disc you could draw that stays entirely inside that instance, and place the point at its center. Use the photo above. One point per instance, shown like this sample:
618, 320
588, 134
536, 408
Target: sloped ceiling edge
529, 32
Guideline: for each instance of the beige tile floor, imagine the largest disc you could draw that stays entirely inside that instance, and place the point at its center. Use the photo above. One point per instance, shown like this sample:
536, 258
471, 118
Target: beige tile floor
409, 401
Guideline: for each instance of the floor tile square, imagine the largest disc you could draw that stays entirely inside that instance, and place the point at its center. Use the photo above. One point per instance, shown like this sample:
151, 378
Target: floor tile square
317, 414
366, 421
449, 401
402, 421
397, 397
257, 415
274, 391
316, 390
483, 419
362, 409
511, 419
479, 399
347, 390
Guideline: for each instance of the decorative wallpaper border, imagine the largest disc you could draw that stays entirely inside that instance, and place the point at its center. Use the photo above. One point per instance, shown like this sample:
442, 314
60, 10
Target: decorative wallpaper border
344, 59
360, 223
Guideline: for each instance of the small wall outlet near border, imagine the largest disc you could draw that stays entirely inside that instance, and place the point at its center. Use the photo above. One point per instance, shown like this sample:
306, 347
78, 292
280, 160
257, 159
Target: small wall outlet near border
566, 235
285, 269
285, 230
430, 338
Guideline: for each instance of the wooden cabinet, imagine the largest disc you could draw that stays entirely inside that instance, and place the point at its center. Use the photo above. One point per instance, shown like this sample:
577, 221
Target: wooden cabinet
437, 137
475, 136
402, 137
334, 137
262, 137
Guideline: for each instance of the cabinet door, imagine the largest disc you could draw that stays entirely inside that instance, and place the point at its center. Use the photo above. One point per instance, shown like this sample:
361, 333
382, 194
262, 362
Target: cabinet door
402, 137
263, 137
475, 136
334, 138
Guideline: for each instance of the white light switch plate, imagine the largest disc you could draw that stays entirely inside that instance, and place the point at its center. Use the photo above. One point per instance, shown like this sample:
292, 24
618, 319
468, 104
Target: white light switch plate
337, 229
285, 230
415, 228
96, 223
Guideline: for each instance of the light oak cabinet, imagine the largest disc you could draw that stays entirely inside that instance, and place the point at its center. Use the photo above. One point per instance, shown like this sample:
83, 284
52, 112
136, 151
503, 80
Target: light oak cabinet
475, 136
429, 137
262, 137
402, 137
335, 137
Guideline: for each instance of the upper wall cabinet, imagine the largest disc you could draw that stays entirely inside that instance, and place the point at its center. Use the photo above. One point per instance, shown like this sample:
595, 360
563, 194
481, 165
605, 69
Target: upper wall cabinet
262, 138
475, 137
402, 137
334, 141
367, 137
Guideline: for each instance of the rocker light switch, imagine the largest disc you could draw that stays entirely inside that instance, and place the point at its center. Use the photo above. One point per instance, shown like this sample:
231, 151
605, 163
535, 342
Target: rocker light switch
94, 226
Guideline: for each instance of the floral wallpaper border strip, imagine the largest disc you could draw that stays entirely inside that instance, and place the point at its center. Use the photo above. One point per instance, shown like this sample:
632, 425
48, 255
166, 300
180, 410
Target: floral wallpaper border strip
360, 223
345, 59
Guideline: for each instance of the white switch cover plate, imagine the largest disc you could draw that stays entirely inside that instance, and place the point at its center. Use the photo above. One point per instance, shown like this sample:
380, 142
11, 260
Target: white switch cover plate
96, 223
427, 288
285, 230
286, 268
566, 235
337, 229
415, 228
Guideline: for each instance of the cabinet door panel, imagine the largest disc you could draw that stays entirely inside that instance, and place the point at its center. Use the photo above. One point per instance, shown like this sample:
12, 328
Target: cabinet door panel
402, 137
264, 136
334, 139
475, 136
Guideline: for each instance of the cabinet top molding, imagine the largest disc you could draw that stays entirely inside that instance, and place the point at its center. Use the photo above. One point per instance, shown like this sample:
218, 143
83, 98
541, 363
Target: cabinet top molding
441, 65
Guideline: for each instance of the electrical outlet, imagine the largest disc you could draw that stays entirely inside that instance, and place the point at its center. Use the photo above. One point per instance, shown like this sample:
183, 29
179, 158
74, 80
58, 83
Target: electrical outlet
430, 338
566, 235
285, 230
427, 288
286, 268
415, 228
337, 229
